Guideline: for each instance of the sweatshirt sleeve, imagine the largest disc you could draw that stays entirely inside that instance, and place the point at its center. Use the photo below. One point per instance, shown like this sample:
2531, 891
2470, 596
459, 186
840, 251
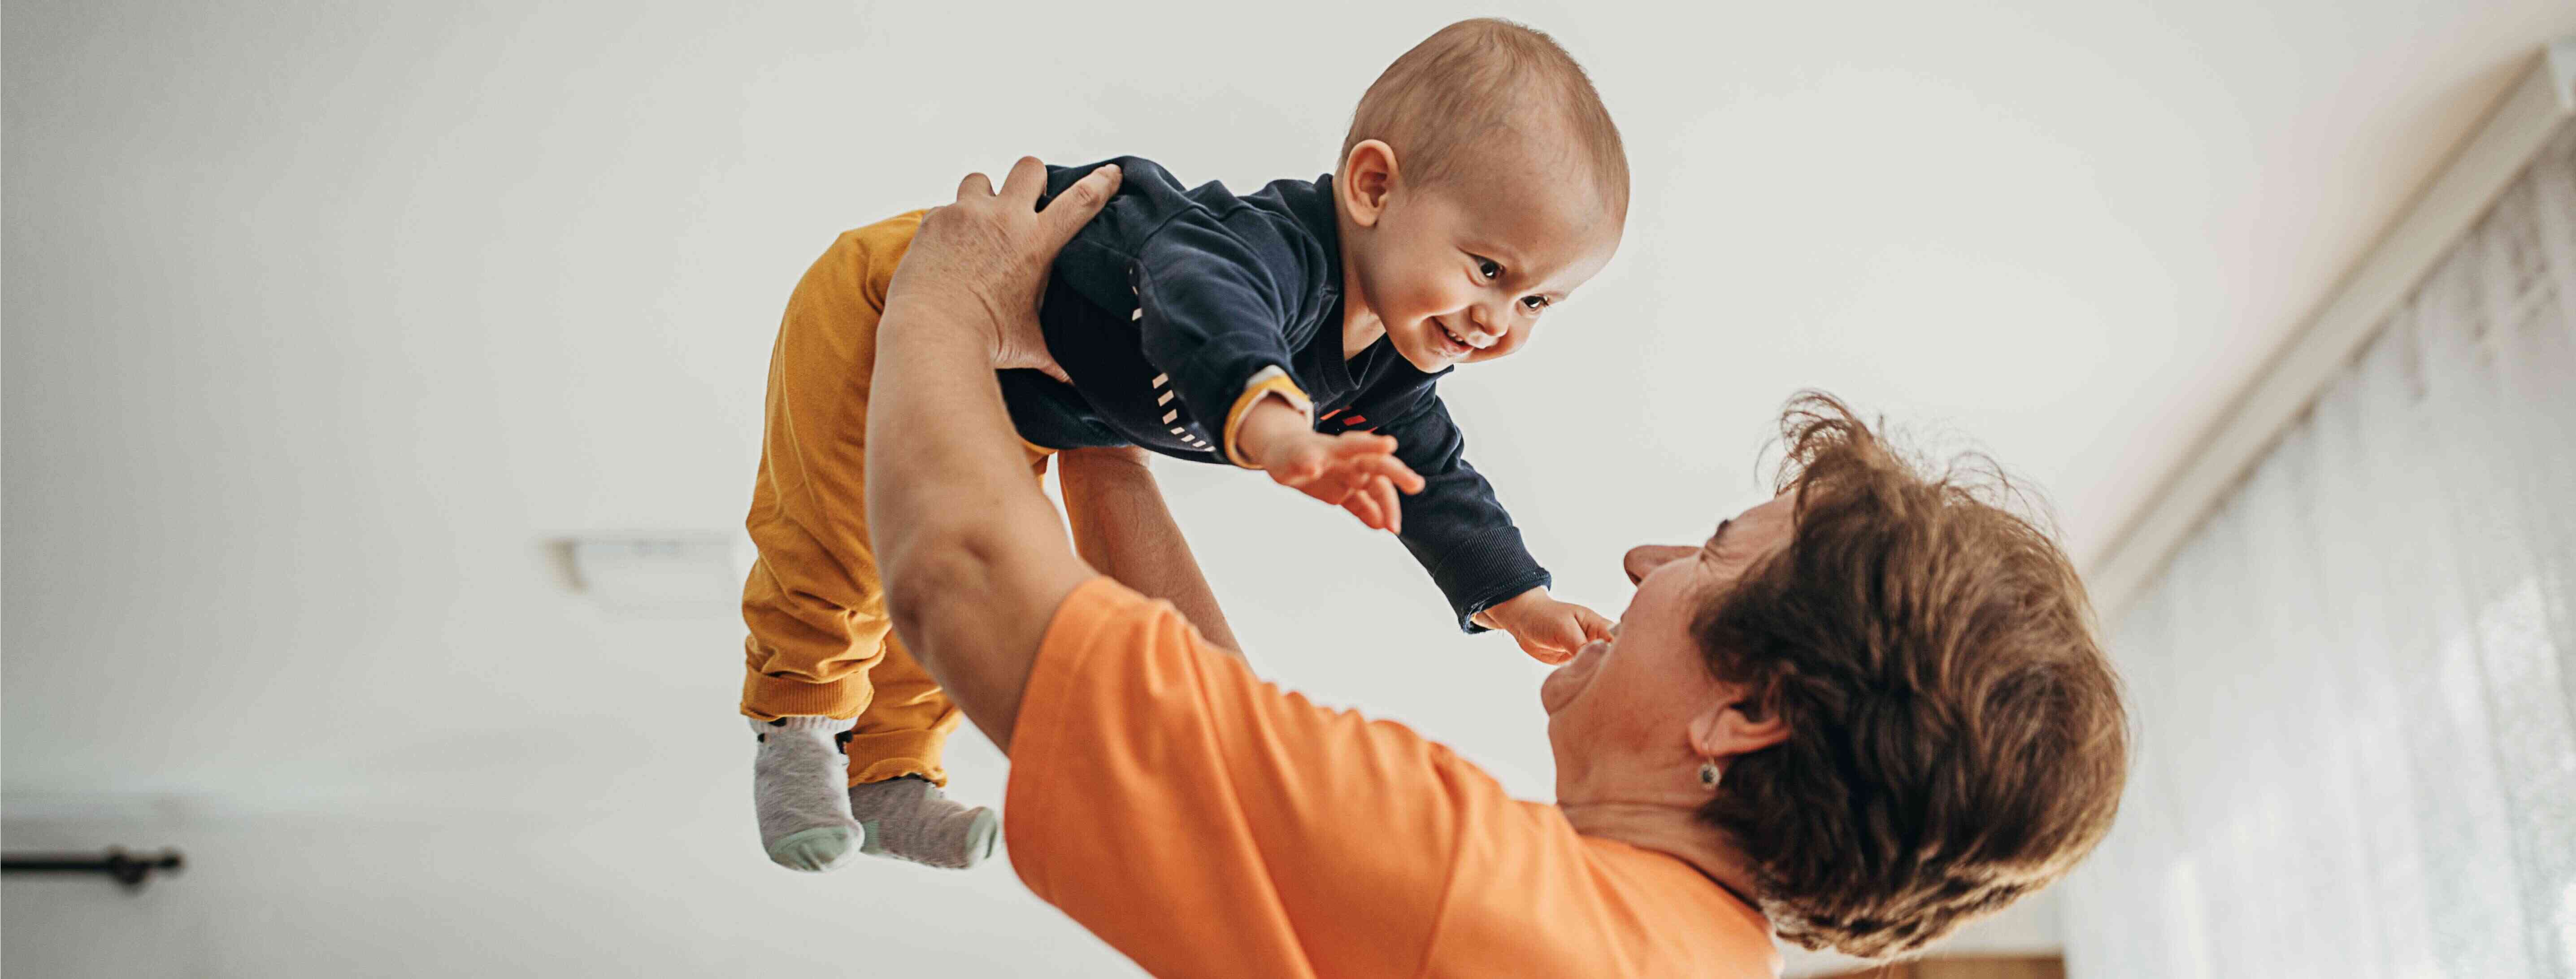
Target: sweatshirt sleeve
1216, 300
1455, 527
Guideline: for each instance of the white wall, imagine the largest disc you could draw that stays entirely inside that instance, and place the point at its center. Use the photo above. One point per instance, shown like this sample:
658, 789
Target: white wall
322, 318
624, 894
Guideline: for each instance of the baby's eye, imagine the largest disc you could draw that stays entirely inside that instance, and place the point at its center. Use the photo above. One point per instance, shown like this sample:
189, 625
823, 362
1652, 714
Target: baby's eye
1489, 268
1533, 303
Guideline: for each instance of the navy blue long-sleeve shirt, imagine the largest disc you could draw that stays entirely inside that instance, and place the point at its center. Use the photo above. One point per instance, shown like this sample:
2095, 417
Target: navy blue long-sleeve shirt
1175, 305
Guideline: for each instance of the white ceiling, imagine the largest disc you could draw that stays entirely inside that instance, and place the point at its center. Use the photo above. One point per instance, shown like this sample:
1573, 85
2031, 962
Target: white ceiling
321, 320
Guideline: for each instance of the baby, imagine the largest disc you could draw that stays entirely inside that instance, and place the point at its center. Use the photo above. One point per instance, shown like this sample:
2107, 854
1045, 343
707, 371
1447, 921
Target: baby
1285, 331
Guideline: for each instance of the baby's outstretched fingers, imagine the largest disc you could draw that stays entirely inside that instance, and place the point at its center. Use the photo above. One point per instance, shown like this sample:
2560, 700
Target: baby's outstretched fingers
1367, 455
1399, 476
1382, 491
1350, 445
1365, 507
1595, 626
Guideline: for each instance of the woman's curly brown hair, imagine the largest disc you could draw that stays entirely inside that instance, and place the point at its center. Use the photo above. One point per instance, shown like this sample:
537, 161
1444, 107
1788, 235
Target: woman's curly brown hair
1957, 739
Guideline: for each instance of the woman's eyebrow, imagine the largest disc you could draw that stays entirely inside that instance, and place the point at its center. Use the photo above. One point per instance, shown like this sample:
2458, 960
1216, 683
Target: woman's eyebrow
1718, 535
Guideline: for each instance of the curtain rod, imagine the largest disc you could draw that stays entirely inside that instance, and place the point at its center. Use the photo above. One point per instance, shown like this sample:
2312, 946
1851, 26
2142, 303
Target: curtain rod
129, 871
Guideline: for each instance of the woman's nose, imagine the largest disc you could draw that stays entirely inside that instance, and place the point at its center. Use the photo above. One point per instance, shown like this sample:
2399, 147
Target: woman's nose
1643, 559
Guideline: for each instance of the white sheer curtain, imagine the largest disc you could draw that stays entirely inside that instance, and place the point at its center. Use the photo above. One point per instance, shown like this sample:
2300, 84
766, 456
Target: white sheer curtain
2353, 688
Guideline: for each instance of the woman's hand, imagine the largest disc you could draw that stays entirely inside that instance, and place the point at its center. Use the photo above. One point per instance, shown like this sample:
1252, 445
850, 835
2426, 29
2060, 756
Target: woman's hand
991, 252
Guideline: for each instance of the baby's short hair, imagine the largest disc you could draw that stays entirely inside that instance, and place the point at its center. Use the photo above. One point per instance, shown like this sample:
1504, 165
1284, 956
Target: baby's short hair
1444, 103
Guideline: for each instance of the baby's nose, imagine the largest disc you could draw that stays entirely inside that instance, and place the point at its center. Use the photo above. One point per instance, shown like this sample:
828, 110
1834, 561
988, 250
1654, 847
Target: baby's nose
1486, 332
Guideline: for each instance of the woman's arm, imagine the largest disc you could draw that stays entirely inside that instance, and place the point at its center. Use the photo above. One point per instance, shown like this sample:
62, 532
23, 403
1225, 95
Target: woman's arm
974, 560
1122, 527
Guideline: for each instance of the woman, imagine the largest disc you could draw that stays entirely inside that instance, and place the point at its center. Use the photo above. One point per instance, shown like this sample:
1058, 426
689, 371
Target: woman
1859, 714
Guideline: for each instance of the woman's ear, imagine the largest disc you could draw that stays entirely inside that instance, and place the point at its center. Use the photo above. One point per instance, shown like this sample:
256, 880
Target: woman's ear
1738, 723
1367, 182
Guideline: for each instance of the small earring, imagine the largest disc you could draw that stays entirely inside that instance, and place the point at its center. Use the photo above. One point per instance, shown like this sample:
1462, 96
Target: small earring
1709, 773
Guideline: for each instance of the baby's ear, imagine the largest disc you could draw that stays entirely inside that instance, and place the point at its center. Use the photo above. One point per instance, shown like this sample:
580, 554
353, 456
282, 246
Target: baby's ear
1367, 181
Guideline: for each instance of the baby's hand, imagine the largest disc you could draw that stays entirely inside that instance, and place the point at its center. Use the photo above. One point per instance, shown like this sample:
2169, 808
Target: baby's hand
1549, 630
1354, 470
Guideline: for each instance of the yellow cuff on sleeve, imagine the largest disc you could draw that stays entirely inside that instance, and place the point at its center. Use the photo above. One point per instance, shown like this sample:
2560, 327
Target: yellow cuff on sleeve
1268, 381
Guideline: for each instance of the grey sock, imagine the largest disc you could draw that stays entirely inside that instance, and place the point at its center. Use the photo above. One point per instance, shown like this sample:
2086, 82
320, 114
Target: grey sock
910, 819
796, 782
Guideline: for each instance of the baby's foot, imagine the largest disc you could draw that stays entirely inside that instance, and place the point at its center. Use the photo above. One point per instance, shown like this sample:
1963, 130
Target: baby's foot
909, 819
796, 784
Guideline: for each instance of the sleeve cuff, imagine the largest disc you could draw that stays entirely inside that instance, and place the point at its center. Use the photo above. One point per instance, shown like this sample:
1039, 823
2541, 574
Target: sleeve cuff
1265, 382
1537, 578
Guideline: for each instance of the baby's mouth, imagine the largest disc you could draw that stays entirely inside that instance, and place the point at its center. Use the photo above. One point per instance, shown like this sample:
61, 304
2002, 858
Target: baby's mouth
1453, 344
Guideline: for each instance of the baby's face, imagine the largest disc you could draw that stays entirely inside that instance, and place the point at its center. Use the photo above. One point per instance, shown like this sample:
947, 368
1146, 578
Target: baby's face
1462, 274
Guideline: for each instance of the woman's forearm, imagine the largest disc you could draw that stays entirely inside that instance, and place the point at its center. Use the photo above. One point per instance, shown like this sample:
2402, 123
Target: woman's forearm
974, 561
1122, 526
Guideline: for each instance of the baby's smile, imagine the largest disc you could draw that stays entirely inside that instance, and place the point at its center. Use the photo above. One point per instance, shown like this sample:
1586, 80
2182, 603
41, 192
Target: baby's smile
1452, 346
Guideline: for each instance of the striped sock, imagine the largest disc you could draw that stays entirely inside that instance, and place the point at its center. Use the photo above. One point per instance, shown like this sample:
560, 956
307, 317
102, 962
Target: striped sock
796, 787
910, 819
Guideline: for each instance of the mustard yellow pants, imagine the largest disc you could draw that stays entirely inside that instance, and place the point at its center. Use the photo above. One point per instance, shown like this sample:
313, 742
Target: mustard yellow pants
820, 640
